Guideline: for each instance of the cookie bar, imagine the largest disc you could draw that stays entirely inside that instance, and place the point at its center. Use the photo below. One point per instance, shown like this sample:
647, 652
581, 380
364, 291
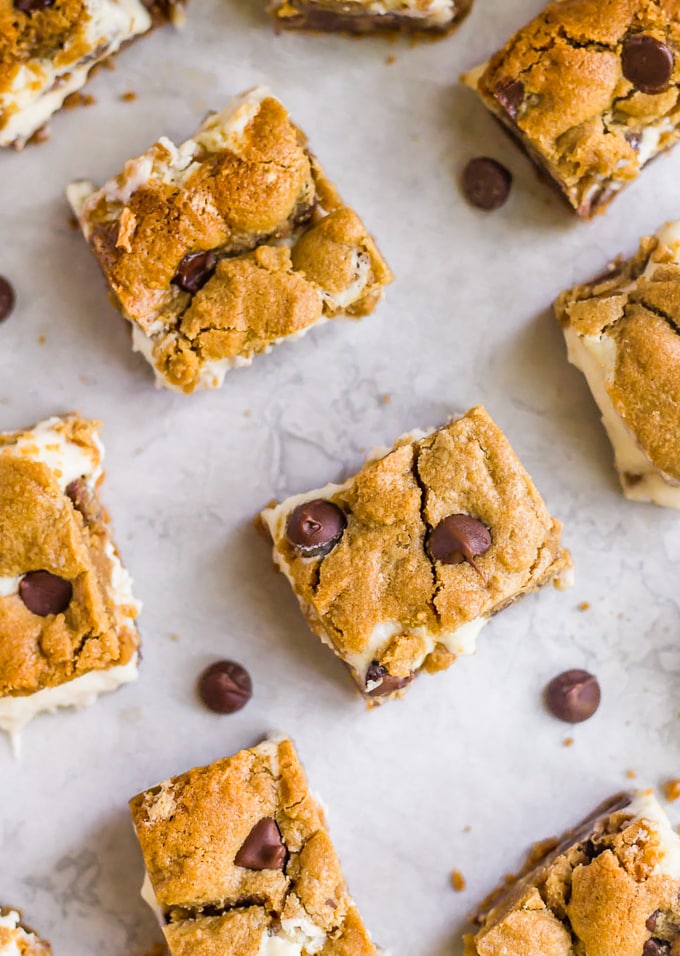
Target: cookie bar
220, 248
370, 16
18, 940
67, 614
589, 89
399, 568
623, 332
49, 47
239, 860
610, 888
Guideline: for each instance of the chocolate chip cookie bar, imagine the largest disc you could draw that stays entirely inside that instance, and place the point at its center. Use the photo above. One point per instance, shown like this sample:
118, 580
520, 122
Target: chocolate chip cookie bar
49, 47
220, 248
589, 88
239, 860
17, 940
370, 16
398, 569
610, 888
67, 613
623, 332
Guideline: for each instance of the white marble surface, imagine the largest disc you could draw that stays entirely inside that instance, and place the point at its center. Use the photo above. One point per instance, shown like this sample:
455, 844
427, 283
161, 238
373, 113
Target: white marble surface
465, 322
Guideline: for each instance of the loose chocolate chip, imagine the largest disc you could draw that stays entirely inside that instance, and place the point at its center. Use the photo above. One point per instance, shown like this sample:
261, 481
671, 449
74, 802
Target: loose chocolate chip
656, 947
7, 299
264, 848
28, 6
225, 687
315, 527
388, 683
194, 270
486, 183
573, 696
647, 63
44, 593
510, 96
652, 920
459, 538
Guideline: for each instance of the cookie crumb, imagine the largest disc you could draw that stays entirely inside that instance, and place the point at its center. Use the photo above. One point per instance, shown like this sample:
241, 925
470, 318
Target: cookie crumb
671, 790
41, 340
74, 100
583, 606
40, 136
73, 222
174, 637
386, 398
631, 774
457, 881
389, 60
128, 97
568, 742
467, 828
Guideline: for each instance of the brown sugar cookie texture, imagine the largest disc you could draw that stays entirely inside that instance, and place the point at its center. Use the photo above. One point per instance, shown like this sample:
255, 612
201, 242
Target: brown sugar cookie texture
67, 613
221, 247
239, 860
370, 16
16, 939
398, 569
590, 90
610, 888
623, 332
49, 47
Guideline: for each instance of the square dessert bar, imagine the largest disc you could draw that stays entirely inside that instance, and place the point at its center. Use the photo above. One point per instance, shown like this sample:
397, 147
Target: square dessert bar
220, 248
17, 940
67, 614
370, 16
399, 568
610, 888
623, 332
239, 861
49, 47
589, 89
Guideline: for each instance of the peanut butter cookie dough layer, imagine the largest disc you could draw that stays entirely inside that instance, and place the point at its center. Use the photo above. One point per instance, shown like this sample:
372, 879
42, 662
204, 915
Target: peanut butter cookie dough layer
399, 568
239, 860
218, 249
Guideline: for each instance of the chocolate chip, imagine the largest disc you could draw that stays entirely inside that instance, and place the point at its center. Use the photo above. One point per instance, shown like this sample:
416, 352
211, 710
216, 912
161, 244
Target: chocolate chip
634, 138
225, 687
387, 683
656, 947
510, 96
84, 500
573, 696
459, 538
486, 183
315, 527
652, 920
44, 593
647, 63
194, 270
7, 299
263, 848
28, 6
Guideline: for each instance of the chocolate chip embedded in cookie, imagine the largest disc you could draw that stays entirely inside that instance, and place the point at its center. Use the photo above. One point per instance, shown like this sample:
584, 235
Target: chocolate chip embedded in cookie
45, 593
400, 567
263, 848
647, 63
194, 270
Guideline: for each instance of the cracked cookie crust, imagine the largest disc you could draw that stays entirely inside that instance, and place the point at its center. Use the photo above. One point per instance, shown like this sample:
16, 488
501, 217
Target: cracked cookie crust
623, 332
610, 888
590, 90
16, 939
433, 17
220, 248
48, 49
67, 613
239, 860
399, 568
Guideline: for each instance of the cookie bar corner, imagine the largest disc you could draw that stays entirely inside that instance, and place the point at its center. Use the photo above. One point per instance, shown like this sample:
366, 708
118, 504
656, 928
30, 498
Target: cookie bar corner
16, 938
623, 332
357, 17
398, 569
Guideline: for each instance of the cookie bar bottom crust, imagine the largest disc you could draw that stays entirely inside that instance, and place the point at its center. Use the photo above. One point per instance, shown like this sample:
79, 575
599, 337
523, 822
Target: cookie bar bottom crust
610, 886
357, 19
17, 940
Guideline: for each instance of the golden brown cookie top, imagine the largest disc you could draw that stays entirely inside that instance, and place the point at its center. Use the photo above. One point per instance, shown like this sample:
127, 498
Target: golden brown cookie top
245, 828
59, 614
608, 889
574, 84
634, 313
55, 33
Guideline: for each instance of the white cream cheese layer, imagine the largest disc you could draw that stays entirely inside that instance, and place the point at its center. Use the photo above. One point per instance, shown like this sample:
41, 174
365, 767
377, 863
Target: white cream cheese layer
17, 712
645, 807
66, 459
595, 356
12, 921
437, 12
40, 87
296, 936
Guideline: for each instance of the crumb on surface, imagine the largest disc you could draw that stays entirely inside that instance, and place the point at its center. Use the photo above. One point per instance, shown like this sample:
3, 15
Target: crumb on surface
74, 100
631, 774
174, 637
389, 60
41, 339
583, 606
73, 222
467, 828
386, 398
568, 742
457, 881
671, 789
128, 97
40, 136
